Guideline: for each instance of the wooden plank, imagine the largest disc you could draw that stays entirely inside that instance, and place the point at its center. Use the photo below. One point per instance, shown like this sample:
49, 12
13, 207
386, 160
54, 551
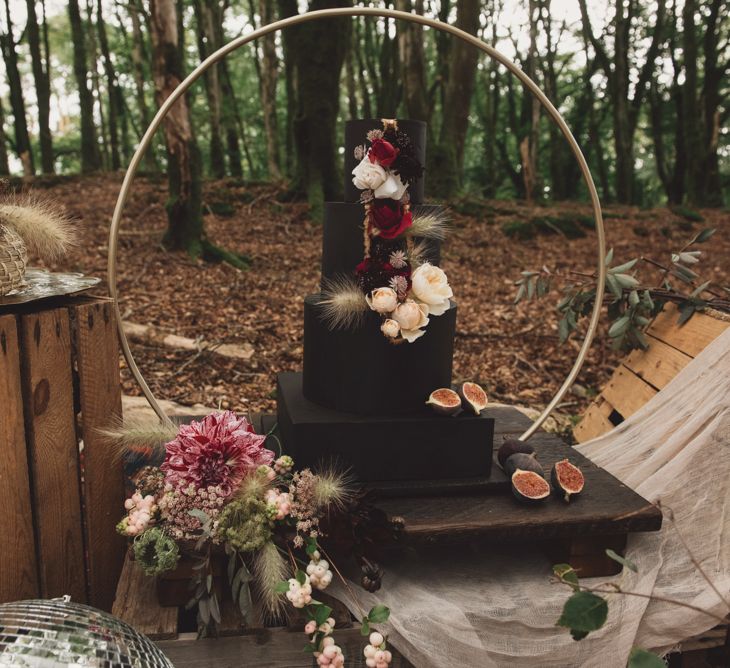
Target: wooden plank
53, 447
692, 337
595, 421
97, 356
136, 603
18, 566
627, 392
270, 648
657, 365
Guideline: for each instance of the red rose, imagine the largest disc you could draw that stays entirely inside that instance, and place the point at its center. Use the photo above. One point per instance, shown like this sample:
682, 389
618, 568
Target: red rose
390, 220
383, 152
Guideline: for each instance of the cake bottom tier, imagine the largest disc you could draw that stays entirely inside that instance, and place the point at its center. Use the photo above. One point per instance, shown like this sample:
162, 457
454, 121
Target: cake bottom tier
360, 371
379, 448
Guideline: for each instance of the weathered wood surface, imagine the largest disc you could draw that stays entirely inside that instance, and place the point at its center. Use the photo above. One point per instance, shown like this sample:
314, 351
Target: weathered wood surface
97, 358
136, 603
643, 373
606, 507
18, 574
269, 648
53, 452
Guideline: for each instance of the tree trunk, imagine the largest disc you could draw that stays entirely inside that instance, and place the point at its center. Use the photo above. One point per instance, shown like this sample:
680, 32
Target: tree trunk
448, 158
714, 75
104, 142
17, 103
206, 45
413, 63
350, 81
692, 118
231, 122
4, 163
285, 9
114, 93
42, 88
491, 111
268, 80
138, 56
185, 223
90, 160
318, 50
529, 141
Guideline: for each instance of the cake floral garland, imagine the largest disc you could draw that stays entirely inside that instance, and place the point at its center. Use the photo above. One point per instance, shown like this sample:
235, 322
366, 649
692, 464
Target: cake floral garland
212, 490
395, 278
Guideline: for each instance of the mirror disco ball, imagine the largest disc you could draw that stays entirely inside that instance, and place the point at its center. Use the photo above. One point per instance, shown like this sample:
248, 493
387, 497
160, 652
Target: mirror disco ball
57, 632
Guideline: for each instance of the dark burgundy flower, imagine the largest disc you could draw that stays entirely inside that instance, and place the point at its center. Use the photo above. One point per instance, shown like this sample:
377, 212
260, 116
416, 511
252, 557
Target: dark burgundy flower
382, 152
389, 219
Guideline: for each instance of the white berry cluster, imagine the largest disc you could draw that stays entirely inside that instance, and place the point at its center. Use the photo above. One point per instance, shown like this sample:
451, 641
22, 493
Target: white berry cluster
330, 654
299, 594
319, 572
141, 510
376, 656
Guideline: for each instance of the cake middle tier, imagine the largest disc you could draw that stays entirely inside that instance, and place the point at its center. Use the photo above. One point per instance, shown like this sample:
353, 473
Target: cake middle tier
359, 371
342, 237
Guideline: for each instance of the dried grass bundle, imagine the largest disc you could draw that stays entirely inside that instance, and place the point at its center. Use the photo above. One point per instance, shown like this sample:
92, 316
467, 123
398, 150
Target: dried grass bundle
40, 223
343, 304
429, 225
139, 436
269, 569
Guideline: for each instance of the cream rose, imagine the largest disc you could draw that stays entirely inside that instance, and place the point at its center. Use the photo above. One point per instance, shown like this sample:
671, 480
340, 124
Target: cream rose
368, 175
391, 188
390, 328
411, 317
382, 300
430, 286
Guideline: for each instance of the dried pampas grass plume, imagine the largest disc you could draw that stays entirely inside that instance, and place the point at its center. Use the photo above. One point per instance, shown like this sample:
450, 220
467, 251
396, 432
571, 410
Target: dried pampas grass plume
429, 225
332, 488
141, 437
343, 304
41, 224
269, 569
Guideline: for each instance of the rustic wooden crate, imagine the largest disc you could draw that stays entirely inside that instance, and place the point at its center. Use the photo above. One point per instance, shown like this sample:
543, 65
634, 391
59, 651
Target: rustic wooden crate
59, 383
644, 373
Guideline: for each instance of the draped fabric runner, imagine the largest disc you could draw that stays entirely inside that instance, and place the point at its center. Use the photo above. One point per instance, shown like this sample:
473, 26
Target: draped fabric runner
498, 607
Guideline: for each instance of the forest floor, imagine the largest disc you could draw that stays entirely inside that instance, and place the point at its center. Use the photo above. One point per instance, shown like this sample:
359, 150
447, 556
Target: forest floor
513, 351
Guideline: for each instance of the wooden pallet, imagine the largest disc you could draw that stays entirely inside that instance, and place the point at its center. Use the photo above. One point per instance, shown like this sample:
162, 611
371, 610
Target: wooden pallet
643, 373
136, 603
59, 384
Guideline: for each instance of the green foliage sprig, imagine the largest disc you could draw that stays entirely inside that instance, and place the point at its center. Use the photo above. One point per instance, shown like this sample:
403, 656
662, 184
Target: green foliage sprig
631, 303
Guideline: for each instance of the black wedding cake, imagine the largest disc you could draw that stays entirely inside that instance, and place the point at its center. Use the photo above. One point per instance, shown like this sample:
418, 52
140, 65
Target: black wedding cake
379, 337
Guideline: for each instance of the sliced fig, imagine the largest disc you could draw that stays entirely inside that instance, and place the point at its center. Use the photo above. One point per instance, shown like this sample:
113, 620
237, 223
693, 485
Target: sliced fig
512, 446
567, 479
524, 462
529, 487
474, 397
444, 401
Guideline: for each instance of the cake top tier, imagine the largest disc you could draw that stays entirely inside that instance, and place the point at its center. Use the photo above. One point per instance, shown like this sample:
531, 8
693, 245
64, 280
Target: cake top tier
412, 132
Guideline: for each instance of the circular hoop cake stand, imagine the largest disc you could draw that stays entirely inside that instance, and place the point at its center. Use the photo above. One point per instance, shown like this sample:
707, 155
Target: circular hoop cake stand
360, 11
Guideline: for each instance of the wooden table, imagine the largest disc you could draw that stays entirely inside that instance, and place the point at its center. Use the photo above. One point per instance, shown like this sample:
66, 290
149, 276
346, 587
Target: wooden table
578, 532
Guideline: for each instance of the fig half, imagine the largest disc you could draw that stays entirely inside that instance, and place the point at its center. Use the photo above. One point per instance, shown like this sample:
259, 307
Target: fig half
444, 401
567, 479
474, 397
529, 487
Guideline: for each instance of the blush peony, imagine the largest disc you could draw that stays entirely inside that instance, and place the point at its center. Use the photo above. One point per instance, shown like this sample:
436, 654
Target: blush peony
368, 175
218, 451
382, 300
411, 317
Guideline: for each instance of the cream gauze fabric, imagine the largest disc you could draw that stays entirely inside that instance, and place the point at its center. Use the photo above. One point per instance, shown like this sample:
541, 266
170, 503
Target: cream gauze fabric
498, 607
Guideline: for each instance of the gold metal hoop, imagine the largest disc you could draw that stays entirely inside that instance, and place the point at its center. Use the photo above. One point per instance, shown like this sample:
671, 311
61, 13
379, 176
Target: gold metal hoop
360, 11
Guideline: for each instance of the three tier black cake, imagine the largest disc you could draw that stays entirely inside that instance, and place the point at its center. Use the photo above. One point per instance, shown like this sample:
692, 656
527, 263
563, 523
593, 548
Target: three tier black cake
379, 337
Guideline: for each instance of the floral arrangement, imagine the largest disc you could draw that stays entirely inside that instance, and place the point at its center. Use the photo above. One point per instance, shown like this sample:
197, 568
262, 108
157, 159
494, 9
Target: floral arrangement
213, 489
394, 278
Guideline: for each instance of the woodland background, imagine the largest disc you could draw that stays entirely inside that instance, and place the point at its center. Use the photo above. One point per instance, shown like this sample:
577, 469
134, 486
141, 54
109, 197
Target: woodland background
242, 166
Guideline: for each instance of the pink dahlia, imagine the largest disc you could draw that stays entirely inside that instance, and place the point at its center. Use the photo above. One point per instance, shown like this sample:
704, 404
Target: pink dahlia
219, 452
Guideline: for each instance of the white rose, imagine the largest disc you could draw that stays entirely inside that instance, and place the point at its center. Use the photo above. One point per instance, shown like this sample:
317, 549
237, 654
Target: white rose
382, 300
391, 188
430, 285
390, 328
411, 317
368, 175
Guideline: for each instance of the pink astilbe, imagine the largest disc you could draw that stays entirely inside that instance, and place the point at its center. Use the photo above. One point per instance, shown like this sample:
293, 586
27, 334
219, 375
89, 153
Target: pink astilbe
219, 451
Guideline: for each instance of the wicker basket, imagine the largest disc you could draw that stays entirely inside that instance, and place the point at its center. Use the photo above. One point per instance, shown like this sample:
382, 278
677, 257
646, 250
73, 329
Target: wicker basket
13, 260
